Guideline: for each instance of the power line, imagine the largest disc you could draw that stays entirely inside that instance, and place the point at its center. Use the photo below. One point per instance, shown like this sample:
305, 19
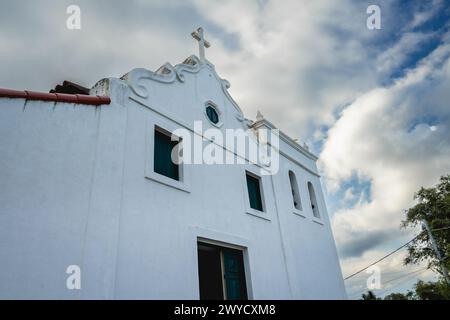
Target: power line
392, 252
405, 275
415, 272
381, 259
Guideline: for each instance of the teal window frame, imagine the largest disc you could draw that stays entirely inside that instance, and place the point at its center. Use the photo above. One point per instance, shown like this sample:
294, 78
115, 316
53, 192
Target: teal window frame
254, 191
162, 160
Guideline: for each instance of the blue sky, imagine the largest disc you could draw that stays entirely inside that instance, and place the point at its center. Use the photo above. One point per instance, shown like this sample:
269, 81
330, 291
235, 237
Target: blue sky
373, 104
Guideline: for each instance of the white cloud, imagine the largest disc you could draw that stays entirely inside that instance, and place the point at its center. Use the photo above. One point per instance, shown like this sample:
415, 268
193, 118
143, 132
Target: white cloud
384, 136
349, 195
422, 16
297, 61
396, 55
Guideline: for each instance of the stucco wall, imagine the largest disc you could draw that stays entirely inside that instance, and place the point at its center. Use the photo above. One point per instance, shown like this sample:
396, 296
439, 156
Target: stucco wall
75, 190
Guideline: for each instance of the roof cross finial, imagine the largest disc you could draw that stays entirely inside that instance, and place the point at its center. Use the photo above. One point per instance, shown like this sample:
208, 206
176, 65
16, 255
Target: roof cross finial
202, 43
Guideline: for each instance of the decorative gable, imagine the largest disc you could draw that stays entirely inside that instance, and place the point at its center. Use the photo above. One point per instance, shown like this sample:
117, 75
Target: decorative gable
192, 80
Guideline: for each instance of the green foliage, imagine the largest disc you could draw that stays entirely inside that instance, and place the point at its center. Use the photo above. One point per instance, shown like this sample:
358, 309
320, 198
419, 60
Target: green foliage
399, 296
369, 296
422, 291
434, 207
431, 290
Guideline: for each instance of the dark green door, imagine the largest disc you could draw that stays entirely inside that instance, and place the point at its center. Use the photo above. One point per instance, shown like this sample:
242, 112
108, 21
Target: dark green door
234, 275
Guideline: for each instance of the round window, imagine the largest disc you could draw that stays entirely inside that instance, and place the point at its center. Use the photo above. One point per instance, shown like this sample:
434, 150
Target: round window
212, 114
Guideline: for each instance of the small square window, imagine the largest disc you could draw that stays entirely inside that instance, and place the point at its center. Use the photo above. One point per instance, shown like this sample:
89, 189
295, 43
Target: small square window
254, 192
163, 163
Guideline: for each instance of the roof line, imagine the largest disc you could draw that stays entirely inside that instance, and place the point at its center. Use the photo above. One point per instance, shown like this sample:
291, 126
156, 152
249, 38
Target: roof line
57, 97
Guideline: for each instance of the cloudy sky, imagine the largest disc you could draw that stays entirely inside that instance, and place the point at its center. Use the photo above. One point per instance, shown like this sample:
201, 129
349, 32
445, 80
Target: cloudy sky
373, 104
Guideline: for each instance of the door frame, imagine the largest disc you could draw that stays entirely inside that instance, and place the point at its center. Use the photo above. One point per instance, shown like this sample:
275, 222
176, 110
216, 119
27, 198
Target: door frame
222, 251
225, 240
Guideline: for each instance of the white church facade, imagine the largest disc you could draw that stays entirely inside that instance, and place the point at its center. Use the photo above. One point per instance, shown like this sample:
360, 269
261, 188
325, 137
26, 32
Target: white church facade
88, 188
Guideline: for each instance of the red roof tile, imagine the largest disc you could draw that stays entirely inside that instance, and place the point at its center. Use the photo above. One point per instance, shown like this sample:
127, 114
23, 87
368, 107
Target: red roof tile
58, 97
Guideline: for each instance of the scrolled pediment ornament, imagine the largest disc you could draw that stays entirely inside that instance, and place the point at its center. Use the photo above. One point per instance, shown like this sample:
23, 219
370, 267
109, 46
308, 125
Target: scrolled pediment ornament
167, 73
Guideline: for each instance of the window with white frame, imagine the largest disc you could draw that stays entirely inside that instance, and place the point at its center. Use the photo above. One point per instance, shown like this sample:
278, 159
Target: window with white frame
313, 200
295, 191
164, 147
254, 191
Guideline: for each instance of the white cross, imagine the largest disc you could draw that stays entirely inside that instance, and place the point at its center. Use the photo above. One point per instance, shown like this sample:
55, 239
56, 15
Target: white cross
202, 43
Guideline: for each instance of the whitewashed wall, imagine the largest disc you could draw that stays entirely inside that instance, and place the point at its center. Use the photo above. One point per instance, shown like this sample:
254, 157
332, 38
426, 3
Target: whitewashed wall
75, 189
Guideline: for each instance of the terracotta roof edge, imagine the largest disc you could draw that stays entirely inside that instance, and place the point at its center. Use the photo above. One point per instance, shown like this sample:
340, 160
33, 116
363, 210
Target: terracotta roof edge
57, 97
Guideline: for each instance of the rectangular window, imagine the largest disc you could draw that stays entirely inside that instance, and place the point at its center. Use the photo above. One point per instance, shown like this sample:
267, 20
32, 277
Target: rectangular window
163, 163
254, 192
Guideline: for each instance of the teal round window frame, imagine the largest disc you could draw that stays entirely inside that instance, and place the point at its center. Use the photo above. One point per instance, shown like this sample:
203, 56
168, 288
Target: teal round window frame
212, 114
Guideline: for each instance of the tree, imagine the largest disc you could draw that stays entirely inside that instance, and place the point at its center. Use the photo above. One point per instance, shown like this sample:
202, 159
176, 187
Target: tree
431, 290
434, 207
438, 290
369, 296
399, 296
